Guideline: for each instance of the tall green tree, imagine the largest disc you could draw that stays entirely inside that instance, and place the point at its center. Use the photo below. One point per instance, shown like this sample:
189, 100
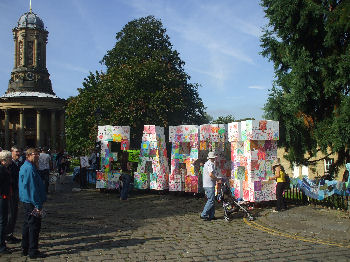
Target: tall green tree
144, 83
308, 43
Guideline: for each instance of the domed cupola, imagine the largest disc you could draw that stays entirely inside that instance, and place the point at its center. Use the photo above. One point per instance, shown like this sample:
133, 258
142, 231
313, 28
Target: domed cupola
30, 20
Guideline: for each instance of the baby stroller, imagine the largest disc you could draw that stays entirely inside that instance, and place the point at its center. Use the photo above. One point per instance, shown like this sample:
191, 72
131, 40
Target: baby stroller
230, 204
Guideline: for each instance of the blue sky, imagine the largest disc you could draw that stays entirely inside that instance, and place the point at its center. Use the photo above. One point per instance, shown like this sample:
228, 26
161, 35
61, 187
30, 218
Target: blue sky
217, 39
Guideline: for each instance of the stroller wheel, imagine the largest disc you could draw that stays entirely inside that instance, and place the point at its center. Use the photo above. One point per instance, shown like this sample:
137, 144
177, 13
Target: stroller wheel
250, 218
227, 218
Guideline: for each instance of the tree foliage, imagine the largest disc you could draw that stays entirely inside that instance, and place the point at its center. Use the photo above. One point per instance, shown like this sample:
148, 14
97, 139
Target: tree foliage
308, 43
224, 119
145, 83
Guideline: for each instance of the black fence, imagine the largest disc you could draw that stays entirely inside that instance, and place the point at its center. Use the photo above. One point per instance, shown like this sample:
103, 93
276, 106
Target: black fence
294, 195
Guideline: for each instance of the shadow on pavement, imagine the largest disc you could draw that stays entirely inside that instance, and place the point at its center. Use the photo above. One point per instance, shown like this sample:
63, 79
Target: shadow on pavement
93, 243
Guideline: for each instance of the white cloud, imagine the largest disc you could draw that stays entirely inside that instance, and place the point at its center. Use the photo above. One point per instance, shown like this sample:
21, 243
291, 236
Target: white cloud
249, 29
217, 75
202, 35
230, 15
200, 32
257, 87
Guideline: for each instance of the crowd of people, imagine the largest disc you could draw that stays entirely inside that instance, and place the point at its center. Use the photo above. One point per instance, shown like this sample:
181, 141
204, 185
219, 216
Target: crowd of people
24, 176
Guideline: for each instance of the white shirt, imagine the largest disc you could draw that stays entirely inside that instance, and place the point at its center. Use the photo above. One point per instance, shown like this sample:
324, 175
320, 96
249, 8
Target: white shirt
209, 167
44, 161
84, 161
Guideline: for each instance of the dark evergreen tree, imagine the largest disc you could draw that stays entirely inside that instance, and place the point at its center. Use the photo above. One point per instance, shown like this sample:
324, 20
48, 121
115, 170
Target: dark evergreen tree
308, 43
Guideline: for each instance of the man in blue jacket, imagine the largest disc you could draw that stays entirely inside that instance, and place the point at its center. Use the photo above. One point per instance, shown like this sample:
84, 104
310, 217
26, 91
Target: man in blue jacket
33, 194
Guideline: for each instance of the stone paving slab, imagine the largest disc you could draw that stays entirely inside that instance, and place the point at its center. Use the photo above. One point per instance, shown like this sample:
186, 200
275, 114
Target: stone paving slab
310, 222
93, 226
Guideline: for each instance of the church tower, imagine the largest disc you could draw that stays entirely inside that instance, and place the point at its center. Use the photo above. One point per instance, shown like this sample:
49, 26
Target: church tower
30, 72
31, 115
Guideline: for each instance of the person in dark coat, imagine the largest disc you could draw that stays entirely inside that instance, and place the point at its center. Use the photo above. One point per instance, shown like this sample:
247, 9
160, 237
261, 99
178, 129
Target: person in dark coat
5, 187
125, 177
14, 196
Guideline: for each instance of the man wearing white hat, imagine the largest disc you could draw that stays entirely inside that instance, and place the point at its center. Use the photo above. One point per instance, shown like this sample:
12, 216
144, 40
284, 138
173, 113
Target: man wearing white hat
209, 181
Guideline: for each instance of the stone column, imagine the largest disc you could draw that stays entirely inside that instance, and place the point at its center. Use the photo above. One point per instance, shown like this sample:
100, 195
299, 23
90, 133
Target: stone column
7, 138
36, 51
21, 128
24, 60
38, 128
16, 50
62, 131
44, 52
53, 130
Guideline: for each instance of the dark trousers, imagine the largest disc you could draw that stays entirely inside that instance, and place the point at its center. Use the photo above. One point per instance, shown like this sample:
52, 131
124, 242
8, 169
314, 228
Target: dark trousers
31, 229
44, 174
83, 174
3, 222
279, 196
125, 189
12, 213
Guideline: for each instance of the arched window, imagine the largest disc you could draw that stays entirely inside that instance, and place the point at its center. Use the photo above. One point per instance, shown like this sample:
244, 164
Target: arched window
30, 53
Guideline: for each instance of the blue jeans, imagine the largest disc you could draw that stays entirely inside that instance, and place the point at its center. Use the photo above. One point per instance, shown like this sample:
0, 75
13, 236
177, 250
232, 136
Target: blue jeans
125, 189
209, 208
91, 175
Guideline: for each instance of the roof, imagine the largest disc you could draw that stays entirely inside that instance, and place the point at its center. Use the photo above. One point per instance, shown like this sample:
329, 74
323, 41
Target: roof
28, 94
30, 20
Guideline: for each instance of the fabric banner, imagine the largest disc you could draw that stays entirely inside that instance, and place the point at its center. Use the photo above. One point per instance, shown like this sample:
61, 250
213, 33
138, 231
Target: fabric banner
323, 188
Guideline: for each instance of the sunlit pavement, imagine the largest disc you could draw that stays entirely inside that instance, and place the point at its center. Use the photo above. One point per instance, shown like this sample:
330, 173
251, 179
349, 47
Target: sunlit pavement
93, 226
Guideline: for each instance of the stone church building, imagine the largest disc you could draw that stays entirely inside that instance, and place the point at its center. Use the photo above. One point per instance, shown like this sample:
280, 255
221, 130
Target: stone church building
31, 115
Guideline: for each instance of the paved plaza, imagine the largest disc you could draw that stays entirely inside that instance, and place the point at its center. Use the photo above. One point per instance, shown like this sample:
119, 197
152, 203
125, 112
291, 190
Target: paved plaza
93, 226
